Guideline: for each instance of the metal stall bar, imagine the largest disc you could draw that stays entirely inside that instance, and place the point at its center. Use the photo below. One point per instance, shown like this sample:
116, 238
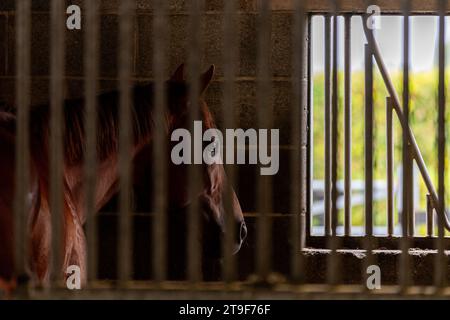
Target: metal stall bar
264, 117
368, 141
229, 61
430, 216
328, 110
333, 241
347, 126
407, 196
334, 125
368, 159
407, 210
390, 167
21, 209
194, 174
91, 83
298, 193
159, 225
441, 259
125, 137
309, 143
57, 68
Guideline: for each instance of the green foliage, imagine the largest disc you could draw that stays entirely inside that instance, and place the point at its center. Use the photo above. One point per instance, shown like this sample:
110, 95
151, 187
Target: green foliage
423, 121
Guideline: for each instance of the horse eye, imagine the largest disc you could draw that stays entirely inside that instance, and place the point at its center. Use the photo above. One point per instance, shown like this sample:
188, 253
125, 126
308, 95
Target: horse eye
212, 147
216, 145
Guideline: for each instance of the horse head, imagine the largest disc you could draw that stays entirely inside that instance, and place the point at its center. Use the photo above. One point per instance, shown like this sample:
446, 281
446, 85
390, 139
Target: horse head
213, 188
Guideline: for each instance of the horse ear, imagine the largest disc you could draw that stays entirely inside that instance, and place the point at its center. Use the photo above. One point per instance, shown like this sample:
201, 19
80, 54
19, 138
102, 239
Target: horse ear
178, 75
206, 78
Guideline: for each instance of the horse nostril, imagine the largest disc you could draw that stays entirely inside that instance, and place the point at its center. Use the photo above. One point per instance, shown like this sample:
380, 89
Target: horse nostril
243, 231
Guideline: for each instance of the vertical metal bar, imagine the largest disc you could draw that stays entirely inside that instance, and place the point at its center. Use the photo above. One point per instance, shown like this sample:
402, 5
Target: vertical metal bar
390, 167
347, 126
309, 127
404, 266
125, 138
229, 58
298, 160
368, 160
21, 209
334, 127
264, 116
90, 167
408, 193
160, 144
368, 141
194, 231
333, 262
430, 218
328, 110
441, 259
56, 133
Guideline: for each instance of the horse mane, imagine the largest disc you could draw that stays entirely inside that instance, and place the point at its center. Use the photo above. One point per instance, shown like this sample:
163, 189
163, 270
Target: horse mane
108, 107
108, 123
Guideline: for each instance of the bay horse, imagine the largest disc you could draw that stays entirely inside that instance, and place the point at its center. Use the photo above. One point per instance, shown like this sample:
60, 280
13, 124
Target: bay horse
73, 242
